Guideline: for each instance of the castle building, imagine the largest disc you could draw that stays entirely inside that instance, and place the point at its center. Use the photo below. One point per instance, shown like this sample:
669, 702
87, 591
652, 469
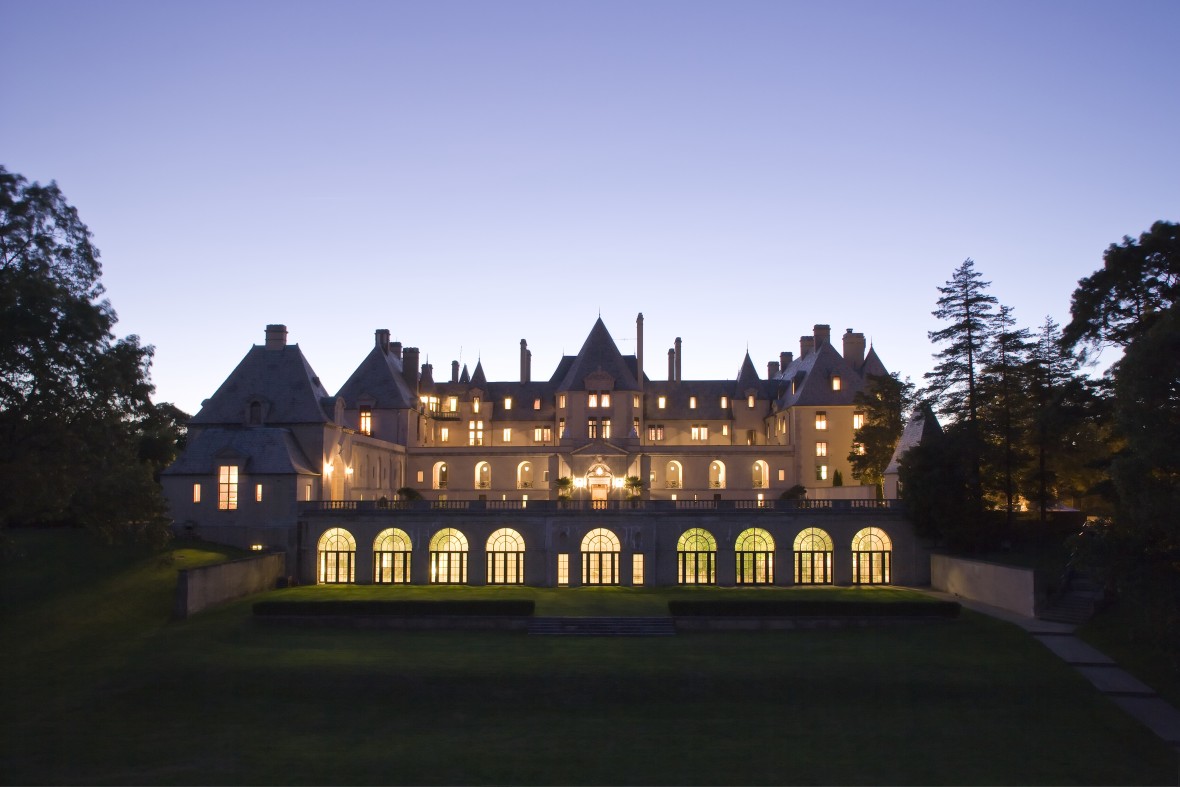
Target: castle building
598, 475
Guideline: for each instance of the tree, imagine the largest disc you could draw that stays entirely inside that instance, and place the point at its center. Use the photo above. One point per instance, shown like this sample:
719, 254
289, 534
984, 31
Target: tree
1003, 412
884, 403
966, 304
75, 404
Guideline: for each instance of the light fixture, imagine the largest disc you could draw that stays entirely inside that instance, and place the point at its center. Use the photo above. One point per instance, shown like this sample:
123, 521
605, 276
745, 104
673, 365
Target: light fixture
579, 482
348, 471
618, 483
327, 468
256, 547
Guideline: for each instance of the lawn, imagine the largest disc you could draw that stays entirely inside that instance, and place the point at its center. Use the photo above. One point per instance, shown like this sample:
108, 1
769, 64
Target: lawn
102, 688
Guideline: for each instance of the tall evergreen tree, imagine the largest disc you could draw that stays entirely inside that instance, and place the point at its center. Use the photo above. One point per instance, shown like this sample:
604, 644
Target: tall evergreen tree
884, 404
1004, 412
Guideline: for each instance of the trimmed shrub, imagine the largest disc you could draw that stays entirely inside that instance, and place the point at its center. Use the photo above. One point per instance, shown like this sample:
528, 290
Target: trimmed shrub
406, 609
813, 609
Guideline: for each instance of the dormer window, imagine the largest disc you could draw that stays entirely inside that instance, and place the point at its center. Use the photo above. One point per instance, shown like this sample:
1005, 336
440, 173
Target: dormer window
592, 400
662, 402
835, 382
561, 401
692, 403
724, 402
507, 402
537, 404
453, 404
750, 401
366, 421
475, 404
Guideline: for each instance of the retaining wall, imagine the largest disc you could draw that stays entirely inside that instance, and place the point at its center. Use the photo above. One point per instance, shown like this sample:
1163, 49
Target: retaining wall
1006, 587
201, 588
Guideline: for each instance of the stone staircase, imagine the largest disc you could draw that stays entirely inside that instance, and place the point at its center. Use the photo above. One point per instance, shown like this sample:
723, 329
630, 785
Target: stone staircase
1076, 605
603, 627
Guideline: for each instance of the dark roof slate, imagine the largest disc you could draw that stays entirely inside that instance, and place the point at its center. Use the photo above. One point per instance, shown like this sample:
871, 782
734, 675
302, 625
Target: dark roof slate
281, 378
380, 378
263, 451
599, 353
922, 426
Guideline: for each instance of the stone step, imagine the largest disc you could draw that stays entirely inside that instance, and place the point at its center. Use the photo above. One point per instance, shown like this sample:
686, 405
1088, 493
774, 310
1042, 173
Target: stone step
603, 627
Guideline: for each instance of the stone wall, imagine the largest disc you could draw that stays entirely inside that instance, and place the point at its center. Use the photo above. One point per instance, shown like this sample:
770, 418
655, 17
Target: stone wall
1006, 587
200, 588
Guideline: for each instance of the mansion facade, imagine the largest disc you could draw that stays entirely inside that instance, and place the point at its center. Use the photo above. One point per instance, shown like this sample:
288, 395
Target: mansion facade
599, 474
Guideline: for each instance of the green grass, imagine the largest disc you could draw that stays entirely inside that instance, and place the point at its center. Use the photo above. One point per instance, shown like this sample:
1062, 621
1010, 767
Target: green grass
112, 692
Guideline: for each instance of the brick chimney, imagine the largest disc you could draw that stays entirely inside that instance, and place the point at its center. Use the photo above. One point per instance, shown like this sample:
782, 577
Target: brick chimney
410, 367
823, 335
784, 360
276, 337
397, 349
526, 362
854, 349
679, 359
671, 364
381, 340
454, 371
806, 345
771, 370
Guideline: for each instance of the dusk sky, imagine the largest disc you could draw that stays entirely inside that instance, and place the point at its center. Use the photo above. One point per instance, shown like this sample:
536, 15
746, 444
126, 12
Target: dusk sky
471, 174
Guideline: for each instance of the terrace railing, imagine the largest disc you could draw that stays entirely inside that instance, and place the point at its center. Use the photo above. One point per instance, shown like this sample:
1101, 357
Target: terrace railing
575, 507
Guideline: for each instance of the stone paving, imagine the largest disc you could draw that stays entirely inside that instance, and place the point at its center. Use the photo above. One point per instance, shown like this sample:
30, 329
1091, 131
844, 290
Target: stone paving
1126, 691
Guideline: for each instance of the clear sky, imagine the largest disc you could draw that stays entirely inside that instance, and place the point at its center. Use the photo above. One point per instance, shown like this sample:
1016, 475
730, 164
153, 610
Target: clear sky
468, 174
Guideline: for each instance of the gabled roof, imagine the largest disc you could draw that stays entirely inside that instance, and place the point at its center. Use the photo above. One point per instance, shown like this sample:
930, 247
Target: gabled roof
812, 377
281, 378
599, 353
261, 451
922, 426
380, 378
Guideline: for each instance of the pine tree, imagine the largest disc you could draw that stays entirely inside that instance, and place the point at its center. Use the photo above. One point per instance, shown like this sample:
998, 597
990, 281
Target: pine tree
1004, 413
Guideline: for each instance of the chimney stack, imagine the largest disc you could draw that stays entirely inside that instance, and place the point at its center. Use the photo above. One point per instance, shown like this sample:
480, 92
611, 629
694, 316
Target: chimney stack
427, 374
381, 339
454, 371
679, 358
823, 335
410, 368
639, 348
276, 337
772, 370
784, 360
526, 362
671, 365
854, 349
806, 345
397, 350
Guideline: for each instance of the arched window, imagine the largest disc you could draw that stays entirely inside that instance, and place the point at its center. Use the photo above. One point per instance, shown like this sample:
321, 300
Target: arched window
440, 475
696, 556
524, 475
448, 557
391, 557
755, 557
674, 475
600, 558
505, 558
813, 557
717, 474
760, 475
337, 556
483, 475
872, 553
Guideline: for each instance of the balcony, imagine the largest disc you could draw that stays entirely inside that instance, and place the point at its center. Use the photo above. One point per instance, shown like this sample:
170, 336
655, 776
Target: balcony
585, 506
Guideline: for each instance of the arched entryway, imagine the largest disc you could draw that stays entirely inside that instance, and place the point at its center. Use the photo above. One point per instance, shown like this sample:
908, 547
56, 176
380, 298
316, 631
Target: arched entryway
755, 557
600, 558
872, 554
505, 557
448, 557
391, 557
813, 557
696, 558
336, 557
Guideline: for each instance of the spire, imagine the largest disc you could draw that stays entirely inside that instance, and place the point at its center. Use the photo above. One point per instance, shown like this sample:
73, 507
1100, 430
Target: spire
478, 377
599, 353
464, 377
747, 375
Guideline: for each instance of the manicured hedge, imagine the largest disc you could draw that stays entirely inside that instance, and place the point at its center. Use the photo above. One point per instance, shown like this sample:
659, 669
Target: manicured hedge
814, 608
474, 607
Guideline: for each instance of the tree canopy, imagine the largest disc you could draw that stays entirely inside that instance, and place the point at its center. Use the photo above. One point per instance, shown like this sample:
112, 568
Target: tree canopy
77, 424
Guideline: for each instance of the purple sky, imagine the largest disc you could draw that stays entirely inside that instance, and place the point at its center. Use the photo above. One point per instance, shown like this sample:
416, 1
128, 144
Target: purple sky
471, 174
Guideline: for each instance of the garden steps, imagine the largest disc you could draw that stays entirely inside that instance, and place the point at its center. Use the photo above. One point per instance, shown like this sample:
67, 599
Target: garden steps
603, 627
1076, 605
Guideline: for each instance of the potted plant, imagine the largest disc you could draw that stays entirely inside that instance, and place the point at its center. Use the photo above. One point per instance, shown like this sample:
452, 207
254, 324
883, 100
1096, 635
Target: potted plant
634, 486
565, 487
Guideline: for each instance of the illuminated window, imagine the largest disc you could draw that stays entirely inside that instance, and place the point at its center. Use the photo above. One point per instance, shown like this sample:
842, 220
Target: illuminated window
872, 553
563, 570
444, 434
448, 557
505, 558
696, 558
755, 557
637, 570
605, 398
813, 557
655, 432
760, 475
661, 402
635, 400
674, 474
366, 419
337, 557
782, 475
635, 426
227, 487
561, 401
717, 475
821, 420
483, 475
391, 557
605, 428
507, 434
725, 430
592, 400
821, 448
858, 449
307, 491
560, 428
524, 476
724, 402
196, 493
475, 433
600, 558
440, 475
507, 402
453, 404
821, 472
475, 404
858, 420
750, 440
258, 493
537, 404
542, 434
692, 403
592, 428
750, 401
419, 476
700, 431
835, 382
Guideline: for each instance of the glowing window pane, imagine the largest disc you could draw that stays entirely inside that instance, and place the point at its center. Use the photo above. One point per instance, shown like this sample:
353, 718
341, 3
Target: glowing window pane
196, 493
821, 421
366, 420
337, 553
563, 570
227, 487
637, 570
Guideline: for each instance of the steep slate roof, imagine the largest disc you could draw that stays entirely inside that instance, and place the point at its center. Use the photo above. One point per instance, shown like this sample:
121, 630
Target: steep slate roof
464, 377
379, 376
872, 365
266, 450
478, 378
813, 376
598, 353
280, 377
922, 426
747, 376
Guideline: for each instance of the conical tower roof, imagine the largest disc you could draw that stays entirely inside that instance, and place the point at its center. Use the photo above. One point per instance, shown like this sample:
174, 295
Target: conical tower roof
599, 353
